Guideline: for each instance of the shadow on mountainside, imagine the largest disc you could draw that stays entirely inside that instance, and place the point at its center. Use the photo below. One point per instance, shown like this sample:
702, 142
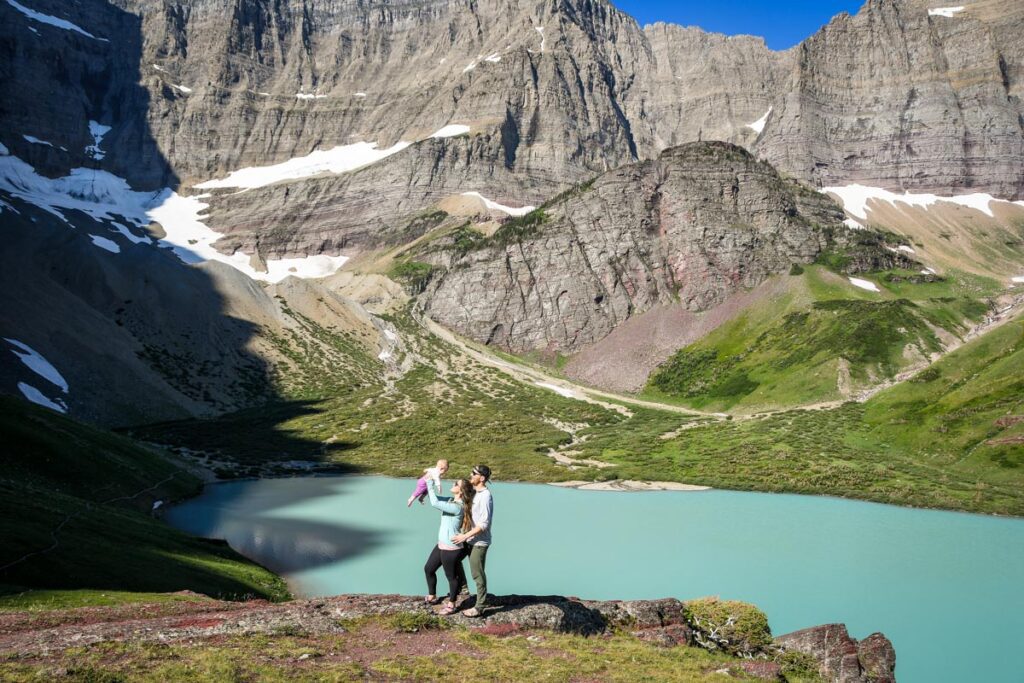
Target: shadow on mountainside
252, 439
137, 335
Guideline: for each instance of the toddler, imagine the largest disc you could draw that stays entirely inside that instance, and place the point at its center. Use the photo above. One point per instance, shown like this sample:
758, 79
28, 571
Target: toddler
431, 475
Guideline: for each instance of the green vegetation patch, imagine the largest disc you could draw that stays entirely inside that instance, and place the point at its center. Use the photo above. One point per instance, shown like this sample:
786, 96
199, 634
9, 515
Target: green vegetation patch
414, 275
737, 628
794, 360
74, 516
520, 228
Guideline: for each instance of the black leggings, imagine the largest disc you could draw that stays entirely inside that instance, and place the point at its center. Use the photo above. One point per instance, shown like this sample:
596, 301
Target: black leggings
451, 560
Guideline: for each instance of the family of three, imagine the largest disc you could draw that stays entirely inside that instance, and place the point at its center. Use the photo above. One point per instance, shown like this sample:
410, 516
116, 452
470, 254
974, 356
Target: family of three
465, 531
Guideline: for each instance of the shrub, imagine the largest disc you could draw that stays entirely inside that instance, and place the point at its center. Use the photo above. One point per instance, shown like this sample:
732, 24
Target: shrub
734, 627
799, 667
796, 269
413, 622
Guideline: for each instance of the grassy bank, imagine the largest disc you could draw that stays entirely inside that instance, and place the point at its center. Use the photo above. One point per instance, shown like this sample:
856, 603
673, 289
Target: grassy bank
75, 517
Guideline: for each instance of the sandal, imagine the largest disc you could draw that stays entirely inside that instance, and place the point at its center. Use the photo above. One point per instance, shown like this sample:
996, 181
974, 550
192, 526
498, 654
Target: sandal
472, 612
431, 600
448, 608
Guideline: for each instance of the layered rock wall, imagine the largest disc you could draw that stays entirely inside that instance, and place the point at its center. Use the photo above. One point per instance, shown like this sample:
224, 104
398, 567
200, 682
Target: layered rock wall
700, 222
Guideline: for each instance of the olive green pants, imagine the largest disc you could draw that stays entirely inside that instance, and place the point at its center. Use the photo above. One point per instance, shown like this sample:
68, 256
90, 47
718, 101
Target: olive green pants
477, 566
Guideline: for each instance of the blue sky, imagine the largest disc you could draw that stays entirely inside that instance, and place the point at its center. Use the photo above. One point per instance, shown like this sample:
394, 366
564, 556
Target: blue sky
783, 24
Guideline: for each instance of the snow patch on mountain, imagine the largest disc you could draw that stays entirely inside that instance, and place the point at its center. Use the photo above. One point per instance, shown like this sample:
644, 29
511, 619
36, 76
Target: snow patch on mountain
109, 199
758, 126
451, 130
855, 199
864, 284
51, 20
336, 160
35, 362
104, 243
39, 398
948, 12
97, 130
510, 210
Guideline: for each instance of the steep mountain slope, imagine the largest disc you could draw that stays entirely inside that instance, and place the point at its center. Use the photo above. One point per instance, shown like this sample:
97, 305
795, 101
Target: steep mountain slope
701, 222
138, 336
76, 508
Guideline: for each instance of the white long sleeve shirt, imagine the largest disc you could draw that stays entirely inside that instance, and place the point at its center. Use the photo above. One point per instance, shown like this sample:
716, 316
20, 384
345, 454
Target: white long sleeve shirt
483, 516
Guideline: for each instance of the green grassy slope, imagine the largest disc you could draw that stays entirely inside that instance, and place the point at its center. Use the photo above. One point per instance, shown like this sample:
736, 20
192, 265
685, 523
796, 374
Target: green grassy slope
951, 437
75, 501
448, 405
821, 342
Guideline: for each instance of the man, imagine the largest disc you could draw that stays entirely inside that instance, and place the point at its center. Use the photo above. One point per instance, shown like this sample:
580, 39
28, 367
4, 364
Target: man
479, 537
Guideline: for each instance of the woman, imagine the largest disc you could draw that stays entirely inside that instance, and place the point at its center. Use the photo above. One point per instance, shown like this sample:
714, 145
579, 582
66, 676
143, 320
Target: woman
446, 553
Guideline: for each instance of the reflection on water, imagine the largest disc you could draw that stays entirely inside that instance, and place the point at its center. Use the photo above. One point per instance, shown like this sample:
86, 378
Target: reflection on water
252, 519
945, 587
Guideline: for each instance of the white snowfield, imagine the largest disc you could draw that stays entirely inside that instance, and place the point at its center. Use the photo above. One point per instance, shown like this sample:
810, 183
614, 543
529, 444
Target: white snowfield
540, 30
336, 160
309, 96
852, 224
1019, 279
947, 12
104, 243
495, 206
182, 88
109, 199
39, 398
451, 130
493, 58
52, 20
472, 65
36, 141
340, 159
855, 199
864, 284
37, 363
758, 126
97, 130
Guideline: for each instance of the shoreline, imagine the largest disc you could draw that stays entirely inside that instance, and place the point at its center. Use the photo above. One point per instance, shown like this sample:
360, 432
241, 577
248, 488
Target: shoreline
628, 485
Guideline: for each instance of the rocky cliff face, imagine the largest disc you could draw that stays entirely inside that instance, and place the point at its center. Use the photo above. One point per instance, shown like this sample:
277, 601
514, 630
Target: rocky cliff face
700, 222
894, 96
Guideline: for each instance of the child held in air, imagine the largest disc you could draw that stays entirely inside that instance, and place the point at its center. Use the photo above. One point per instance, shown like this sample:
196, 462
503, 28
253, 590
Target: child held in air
431, 475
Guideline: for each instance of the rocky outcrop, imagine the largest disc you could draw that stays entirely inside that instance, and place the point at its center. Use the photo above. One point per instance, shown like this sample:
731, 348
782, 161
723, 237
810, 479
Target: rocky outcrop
660, 622
702, 221
843, 659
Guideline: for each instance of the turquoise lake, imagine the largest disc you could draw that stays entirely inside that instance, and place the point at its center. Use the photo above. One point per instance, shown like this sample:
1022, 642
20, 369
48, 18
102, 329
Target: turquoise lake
946, 588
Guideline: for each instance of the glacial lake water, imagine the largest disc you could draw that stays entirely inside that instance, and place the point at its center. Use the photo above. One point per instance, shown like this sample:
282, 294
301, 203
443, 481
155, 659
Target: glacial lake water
946, 588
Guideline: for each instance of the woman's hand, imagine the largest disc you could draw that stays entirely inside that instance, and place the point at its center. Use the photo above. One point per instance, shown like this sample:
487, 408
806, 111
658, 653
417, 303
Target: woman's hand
459, 538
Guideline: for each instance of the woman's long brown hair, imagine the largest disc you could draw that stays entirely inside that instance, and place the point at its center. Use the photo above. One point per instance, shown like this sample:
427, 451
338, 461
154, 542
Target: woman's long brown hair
468, 494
